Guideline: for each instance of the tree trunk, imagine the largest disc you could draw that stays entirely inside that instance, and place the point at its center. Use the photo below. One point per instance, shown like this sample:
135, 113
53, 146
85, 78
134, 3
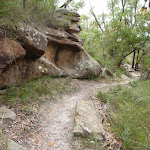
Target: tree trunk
112, 2
136, 65
24, 5
123, 8
35, 6
142, 64
135, 10
133, 60
120, 62
92, 12
148, 75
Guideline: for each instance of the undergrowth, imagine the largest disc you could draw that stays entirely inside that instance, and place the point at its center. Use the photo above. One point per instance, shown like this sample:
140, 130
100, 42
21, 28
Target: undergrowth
32, 91
130, 111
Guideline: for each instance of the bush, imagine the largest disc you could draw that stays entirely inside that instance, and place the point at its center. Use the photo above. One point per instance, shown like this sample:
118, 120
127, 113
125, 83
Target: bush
130, 109
35, 11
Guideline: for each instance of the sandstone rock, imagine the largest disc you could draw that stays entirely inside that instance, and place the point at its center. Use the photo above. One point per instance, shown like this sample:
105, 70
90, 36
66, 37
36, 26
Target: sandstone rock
67, 12
107, 72
6, 113
124, 77
49, 68
54, 50
64, 51
34, 41
73, 61
62, 37
11, 145
22, 71
74, 28
87, 121
10, 51
67, 20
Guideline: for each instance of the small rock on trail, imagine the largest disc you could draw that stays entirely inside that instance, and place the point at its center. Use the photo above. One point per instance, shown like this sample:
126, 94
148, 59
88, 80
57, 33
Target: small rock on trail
6, 113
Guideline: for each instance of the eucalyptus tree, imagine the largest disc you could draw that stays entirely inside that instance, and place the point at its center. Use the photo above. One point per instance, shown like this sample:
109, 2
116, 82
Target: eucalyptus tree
123, 32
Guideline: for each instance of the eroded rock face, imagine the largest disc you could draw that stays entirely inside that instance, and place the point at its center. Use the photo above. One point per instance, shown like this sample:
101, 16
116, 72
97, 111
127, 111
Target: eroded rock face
21, 71
56, 50
34, 41
73, 61
10, 51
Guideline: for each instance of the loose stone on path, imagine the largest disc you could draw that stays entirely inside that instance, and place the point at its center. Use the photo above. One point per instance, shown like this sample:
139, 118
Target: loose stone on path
6, 113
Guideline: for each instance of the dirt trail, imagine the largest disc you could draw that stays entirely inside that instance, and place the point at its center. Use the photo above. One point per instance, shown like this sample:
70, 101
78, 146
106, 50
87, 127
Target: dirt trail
58, 118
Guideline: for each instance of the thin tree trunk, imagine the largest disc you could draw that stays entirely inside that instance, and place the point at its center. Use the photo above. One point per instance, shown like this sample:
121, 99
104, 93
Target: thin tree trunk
136, 65
148, 74
120, 62
35, 6
112, 3
103, 19
123, 8
133, 60
96, 19
135, 9
24, 5
142, 64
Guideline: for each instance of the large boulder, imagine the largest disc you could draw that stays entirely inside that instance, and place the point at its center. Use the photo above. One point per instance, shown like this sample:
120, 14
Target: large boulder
55, 50
64, 54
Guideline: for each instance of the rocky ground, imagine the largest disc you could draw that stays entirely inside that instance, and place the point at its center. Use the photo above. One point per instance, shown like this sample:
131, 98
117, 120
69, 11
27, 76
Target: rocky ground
52, 125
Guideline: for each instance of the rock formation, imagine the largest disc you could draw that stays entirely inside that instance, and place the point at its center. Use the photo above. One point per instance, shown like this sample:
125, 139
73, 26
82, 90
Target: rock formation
55, 50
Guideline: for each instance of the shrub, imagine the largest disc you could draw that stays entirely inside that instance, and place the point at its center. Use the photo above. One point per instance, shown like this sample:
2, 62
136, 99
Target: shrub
130, 109
34, 11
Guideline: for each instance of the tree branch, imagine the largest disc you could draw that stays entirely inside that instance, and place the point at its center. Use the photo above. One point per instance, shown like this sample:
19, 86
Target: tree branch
96, 19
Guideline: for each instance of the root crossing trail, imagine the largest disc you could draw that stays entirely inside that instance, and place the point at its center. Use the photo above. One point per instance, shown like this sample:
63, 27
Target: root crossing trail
58, 118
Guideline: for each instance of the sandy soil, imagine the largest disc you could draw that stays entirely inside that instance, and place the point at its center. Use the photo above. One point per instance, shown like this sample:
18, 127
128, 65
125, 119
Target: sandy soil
57, 118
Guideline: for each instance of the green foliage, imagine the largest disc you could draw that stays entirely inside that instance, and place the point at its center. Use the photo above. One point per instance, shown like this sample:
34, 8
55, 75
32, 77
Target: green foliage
130, 110
102, 96
11, 12
33, 91
35, 11
122, 33
77, 5
120, 71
